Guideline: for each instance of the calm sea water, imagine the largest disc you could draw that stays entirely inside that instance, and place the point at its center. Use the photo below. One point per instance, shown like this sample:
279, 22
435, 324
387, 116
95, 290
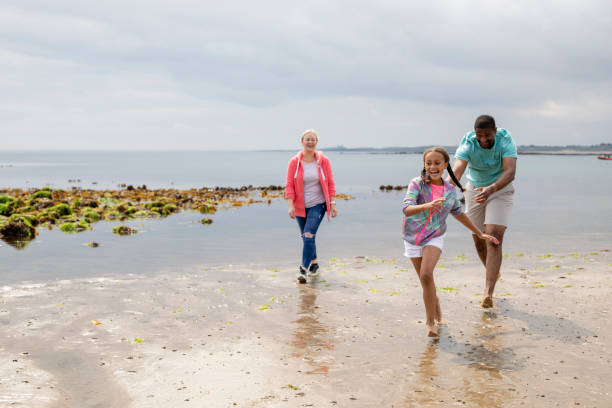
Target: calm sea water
562, 204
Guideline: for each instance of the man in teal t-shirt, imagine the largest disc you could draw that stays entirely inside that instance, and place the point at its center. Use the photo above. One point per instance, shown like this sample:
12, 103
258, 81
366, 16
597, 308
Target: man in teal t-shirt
489, 154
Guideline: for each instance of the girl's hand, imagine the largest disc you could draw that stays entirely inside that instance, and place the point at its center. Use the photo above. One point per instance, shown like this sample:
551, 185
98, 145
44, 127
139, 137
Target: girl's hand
435, 204
333, 211
489, 237
292, 212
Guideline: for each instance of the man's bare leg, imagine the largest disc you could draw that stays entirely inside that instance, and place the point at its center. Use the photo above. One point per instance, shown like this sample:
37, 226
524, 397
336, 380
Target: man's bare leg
481, 248
493, 254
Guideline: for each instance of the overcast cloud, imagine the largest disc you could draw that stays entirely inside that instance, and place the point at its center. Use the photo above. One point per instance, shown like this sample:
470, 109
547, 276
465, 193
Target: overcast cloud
254, 75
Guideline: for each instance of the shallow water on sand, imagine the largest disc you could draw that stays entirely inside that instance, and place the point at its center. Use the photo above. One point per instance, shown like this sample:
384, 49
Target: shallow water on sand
354, 336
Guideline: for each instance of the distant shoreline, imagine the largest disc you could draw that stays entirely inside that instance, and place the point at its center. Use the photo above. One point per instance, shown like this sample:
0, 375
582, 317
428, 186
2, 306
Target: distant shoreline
569, 150
520, 153
566, 153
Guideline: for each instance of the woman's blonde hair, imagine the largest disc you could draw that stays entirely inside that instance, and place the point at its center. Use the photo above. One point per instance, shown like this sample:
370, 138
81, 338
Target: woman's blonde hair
308, 132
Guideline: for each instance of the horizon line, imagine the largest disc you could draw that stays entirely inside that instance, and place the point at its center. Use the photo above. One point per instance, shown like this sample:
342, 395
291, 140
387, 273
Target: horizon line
338, 147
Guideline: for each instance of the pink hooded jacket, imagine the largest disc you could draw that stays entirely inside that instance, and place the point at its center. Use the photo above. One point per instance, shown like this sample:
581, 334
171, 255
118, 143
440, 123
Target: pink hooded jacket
294, 186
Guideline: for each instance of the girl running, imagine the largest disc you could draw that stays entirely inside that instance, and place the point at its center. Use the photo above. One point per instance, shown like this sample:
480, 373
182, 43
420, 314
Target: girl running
428, 202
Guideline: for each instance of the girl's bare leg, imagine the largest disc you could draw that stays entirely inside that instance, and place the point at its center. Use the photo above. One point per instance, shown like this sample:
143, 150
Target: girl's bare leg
416, 262
425, 267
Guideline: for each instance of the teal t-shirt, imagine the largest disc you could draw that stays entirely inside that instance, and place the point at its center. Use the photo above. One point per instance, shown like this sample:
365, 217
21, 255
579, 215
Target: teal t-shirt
485, 165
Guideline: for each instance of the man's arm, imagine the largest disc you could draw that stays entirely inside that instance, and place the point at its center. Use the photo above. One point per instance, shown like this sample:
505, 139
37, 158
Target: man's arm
458, 168
509, 166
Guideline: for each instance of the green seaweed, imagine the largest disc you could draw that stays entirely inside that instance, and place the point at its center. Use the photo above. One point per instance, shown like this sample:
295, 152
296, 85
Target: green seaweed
123, 230
70, 227
62, 209
447, 289
41, 194
5, 209
91, 216
169, 209
5, 199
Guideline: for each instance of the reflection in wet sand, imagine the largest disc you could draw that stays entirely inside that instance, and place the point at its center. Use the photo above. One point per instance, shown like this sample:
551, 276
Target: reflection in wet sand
475, 373
311, 339
487, 383
425, 387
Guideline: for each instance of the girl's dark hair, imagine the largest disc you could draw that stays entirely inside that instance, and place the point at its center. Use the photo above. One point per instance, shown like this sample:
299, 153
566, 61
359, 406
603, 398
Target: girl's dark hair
443, 152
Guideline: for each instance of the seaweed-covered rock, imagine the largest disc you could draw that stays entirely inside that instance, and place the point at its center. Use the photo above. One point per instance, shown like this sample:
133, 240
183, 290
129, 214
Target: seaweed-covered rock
63, 209
207, 209
5, 209
123, 230
10, 205
89, 202
73, 210
169, 209
206, 221
91, 216
70, 227
17, 227
5, 199
43, 203
123, 207
41, 194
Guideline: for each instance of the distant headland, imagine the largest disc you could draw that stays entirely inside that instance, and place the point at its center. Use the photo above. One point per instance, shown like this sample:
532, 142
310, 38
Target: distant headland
593, 150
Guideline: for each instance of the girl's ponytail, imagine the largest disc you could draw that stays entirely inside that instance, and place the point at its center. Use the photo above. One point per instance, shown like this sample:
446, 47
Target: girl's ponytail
424, 175
452, 175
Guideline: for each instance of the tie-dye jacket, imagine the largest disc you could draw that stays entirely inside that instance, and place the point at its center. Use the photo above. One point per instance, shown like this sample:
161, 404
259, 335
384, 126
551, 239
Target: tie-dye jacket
428, 224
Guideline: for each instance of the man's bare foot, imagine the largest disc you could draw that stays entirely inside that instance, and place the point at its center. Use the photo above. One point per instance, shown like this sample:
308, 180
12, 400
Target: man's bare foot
438, 315
432, 330
487, 302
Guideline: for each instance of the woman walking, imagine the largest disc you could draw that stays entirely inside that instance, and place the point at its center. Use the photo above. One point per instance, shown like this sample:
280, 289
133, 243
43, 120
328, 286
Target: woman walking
310, 193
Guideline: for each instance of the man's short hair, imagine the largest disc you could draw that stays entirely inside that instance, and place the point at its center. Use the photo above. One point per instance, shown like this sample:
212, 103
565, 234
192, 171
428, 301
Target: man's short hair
484, 122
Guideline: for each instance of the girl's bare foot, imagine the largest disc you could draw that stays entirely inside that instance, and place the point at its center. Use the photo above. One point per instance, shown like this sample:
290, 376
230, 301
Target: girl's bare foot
438, 316
487, 302
432, 330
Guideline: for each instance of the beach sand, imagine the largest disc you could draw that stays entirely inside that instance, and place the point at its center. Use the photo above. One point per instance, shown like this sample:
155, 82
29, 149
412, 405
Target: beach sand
355, 337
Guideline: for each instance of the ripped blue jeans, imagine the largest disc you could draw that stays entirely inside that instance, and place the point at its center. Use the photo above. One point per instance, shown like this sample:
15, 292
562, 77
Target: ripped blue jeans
308, 229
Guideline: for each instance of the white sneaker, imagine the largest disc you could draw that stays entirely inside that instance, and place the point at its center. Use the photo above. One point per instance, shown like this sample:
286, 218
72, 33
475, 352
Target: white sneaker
313, 270
301, 275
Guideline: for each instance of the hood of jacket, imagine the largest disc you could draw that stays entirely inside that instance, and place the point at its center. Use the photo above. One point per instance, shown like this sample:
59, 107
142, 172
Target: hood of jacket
319, 156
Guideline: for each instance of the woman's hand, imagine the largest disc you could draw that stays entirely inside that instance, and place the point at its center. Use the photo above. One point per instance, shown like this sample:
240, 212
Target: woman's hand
489, 237
292, 212
333, 211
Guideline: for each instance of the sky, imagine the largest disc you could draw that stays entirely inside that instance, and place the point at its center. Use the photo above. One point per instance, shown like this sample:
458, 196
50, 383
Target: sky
242, 75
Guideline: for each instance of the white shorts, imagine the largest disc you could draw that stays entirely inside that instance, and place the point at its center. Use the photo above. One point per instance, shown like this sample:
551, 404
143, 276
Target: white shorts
416, 251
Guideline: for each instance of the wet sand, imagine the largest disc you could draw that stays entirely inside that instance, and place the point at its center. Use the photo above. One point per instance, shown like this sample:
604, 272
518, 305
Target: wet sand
354, 337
